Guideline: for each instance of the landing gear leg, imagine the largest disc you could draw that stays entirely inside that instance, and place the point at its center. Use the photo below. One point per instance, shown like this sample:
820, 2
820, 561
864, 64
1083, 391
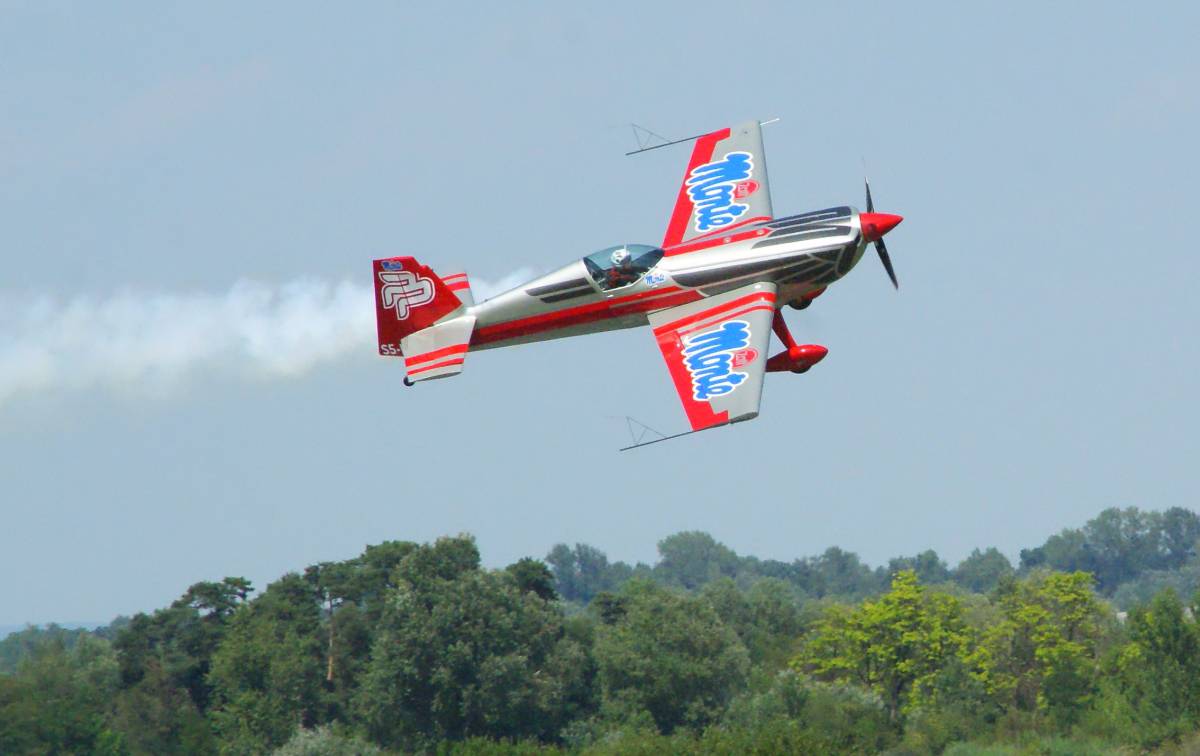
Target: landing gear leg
779, 325
794, 358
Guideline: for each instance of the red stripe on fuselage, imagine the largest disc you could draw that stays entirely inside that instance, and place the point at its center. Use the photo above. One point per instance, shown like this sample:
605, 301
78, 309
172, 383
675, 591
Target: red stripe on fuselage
682, 215
435, 354
655, 299
733, 304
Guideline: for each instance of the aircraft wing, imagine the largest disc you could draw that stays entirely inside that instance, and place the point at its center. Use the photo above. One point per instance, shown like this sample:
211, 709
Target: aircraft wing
725, 185
716, 352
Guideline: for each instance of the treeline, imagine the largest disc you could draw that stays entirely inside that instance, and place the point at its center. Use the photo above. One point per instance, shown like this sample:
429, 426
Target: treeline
1131, 555
417, 647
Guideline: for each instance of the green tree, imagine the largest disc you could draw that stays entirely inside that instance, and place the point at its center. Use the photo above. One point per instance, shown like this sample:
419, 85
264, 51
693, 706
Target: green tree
1158, 672
532, 575
1042, 655
584, 571
895, 645
181, 639
464, 652
837, 572
692, 559
58, 700
927, 565
981, 571
766, 617
1120, 544
267, 675
23, 644
668, 655
155, 717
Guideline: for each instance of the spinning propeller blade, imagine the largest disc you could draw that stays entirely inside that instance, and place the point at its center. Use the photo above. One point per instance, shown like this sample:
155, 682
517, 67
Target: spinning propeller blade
881, 248
874, 226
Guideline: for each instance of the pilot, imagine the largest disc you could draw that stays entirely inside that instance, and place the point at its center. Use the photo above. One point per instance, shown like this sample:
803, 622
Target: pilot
621, 273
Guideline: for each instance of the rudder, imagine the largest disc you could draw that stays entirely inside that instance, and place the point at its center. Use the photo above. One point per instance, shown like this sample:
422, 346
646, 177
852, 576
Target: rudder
409, 297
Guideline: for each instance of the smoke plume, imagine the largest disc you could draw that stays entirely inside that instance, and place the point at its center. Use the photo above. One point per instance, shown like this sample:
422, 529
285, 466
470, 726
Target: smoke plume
153, 342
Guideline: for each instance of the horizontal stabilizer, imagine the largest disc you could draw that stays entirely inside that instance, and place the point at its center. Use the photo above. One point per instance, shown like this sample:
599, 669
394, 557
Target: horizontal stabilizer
438, 351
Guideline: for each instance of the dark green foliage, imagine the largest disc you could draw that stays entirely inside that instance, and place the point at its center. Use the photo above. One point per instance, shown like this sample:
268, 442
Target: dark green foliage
837, 572
669, 656
267, 677
584, 571
691, 560
26, 643
981, 571
156, 717
1184, 581
464, 652
411, 647
765, 617
534, 576
57, 701
798, 715
1120, 545
181, 640
928, 567
1156, 676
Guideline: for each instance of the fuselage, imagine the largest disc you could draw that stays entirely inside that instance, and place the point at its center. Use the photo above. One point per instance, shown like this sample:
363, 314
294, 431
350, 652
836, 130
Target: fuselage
801, 254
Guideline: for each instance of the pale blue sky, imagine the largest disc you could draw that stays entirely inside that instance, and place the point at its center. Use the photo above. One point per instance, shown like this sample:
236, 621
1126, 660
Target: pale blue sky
1037, 365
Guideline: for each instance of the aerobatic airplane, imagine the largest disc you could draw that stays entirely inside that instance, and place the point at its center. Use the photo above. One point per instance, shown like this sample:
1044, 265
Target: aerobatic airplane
712, 292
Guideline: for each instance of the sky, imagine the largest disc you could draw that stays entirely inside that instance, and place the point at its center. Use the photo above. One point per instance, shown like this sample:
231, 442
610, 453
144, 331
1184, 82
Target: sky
191, 195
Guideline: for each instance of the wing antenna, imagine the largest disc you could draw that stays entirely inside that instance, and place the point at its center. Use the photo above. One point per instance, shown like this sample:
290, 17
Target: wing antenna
666, 143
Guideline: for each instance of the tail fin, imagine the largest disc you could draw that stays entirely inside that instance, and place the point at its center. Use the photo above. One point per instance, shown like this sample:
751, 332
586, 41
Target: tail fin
409, 297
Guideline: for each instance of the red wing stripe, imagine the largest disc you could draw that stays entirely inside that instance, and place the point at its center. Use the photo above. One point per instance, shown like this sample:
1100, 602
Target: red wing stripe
682, 215
700, 414
758, 296
458, 286
435, 354
435, 366
723, 318
709, 241
453, 276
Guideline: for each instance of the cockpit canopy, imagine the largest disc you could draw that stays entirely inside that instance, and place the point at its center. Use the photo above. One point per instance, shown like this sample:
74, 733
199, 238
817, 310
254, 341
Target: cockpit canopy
622, 265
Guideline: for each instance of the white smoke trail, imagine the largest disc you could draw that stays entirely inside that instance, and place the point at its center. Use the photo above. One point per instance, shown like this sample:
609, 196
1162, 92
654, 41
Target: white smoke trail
133, 342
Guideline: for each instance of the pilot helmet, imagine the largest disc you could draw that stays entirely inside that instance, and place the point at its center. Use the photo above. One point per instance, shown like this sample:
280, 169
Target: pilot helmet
619, 257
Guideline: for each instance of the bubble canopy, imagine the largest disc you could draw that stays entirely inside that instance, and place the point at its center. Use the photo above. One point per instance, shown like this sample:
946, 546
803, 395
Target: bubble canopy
622, 265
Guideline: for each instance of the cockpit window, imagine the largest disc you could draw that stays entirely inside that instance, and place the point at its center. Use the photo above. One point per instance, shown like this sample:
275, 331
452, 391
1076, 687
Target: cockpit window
622, 265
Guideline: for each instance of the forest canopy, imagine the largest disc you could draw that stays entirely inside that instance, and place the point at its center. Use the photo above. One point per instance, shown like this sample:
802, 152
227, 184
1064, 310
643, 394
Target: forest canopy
1091, 638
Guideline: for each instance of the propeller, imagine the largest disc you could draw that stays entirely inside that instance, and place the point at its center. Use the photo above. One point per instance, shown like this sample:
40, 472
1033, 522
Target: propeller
874, 226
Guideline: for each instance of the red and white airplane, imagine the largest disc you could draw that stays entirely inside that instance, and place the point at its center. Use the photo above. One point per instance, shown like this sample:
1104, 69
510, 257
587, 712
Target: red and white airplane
712, 292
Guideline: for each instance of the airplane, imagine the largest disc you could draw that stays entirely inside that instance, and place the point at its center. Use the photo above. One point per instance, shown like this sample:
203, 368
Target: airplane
712, 292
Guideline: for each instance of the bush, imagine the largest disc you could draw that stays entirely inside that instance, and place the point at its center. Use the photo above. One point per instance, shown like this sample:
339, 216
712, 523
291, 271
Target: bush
322, 741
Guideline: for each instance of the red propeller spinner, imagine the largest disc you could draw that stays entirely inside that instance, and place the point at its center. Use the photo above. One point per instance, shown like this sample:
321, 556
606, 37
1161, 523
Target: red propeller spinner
875, 225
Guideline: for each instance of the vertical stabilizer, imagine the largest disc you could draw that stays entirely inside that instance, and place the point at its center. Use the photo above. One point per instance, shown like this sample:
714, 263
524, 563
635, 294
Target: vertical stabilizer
409, 297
